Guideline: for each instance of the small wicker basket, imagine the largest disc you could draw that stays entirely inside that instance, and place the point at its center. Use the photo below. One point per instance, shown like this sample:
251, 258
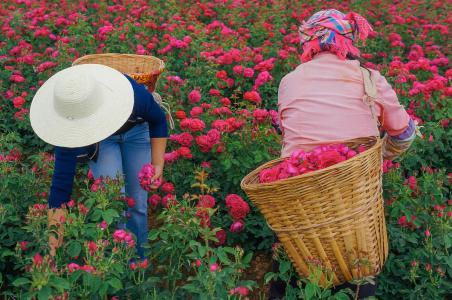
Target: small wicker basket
334, 215
145, 69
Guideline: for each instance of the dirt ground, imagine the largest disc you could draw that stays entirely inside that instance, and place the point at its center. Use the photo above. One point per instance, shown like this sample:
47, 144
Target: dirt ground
260, 265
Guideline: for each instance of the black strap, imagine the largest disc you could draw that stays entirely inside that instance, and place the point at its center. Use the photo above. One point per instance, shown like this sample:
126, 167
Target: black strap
92, 155
128, 125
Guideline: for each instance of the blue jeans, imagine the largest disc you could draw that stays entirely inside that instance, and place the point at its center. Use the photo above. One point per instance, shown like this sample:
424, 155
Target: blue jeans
125, 154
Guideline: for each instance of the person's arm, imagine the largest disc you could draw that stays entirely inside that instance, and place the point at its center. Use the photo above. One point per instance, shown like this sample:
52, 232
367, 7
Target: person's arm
150, 111
63, 176
158, 154
400, 128
396, 145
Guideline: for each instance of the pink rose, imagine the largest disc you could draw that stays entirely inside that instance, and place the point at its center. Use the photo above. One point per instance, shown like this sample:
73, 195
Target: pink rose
130, 202
220, 125
204, 143
185, 139
213, 267
154, 200
194, 96
172, 156
197, 125
206, 201
214, 92
37, 259
253, 97
168, 188
184, 152
329, 158
260, 115
237, 226
248, 73
23, 245
241, 290
72, 267
225, 101
88, 268
196, 111
214, 136
221, 236
268, 175
238, 70
119, 235
18, 102
169, 199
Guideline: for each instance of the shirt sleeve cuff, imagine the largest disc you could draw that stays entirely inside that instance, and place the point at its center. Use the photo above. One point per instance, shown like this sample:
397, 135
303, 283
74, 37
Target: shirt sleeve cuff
409, 131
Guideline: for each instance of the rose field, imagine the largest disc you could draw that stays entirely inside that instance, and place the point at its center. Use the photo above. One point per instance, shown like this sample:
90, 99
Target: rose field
223, 64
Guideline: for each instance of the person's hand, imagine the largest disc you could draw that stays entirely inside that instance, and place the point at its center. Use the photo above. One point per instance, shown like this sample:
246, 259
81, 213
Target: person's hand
157, 178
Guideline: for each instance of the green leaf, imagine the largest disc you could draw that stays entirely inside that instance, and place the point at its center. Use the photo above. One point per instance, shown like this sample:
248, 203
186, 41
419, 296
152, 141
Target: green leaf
96, 215
247, 259
59, 283
227, 164
109, 214
28, 295
6, 253
224, 258
153, 234
115, 283
202, 251
103, 289
21, 281
310, 290
341, 296
45, 293
269, 277
284, 267
74, 248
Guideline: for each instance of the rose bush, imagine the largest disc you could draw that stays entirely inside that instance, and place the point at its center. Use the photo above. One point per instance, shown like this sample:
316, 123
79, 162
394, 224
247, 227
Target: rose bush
224, 61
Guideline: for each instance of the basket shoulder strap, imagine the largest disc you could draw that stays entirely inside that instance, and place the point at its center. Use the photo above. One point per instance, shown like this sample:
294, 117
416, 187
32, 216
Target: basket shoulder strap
370, 88
370, 94
166, 107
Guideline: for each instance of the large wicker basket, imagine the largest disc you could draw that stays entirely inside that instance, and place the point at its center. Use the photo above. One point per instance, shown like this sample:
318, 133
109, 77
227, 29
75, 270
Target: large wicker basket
334, 215
144, 69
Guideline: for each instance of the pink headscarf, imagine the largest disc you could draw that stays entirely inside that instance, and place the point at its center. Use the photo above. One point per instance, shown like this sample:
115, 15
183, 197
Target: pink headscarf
331, 30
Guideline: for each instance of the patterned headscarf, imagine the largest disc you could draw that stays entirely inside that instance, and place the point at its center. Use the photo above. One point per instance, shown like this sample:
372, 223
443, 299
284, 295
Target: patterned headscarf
331, 30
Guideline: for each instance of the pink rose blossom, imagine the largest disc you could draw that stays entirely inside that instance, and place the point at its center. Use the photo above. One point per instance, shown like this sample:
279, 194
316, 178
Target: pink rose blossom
237, 226
194, 96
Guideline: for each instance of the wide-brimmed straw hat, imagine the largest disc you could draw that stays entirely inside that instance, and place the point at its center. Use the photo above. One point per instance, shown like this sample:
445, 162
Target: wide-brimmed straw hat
81, 105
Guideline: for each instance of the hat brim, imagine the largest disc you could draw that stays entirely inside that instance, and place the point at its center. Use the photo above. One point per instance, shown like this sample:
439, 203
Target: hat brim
117, 105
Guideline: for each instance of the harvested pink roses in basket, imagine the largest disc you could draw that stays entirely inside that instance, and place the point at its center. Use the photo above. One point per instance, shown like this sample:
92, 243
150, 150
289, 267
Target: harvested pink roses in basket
145, 176
301, 162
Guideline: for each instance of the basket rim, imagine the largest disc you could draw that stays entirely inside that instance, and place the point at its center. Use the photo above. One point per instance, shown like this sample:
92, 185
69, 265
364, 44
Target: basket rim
123, 55
253, 186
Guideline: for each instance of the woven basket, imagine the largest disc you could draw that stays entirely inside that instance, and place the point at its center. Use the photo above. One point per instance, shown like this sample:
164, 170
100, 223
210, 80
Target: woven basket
144, 69
334, 215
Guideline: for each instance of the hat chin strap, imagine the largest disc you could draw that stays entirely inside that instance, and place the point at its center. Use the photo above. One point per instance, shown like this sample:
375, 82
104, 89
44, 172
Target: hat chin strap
77, 96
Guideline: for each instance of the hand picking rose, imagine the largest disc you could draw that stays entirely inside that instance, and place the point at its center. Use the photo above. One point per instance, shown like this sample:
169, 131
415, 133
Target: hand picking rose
145, 176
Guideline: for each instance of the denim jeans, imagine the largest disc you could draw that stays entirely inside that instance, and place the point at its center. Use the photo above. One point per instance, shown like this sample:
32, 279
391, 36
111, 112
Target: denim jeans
125, 154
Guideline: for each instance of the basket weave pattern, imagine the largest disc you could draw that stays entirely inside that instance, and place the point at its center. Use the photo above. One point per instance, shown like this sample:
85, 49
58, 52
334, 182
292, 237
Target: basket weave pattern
145, 69
335, 214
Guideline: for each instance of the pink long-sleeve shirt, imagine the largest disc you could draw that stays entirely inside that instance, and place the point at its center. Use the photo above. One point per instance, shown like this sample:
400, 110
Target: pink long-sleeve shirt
321, 101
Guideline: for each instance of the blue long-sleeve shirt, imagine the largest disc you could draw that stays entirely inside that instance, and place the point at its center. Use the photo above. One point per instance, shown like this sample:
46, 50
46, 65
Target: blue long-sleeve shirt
145, 107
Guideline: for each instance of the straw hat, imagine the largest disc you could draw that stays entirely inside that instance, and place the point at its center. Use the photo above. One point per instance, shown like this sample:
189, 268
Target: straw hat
81, 105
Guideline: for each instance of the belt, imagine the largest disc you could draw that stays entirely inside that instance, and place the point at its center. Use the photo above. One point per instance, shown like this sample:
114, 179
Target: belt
128, 125
92, 154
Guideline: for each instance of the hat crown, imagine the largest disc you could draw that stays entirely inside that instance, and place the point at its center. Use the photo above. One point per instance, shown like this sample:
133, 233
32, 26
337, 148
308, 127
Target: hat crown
76, 95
